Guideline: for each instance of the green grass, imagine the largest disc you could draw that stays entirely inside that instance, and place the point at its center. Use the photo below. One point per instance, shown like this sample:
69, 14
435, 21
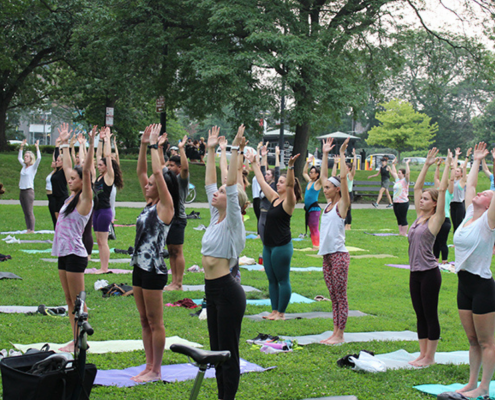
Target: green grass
373, 288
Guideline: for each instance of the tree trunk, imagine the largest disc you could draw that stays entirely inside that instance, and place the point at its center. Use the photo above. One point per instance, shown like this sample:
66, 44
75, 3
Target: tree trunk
300, 147
3, 127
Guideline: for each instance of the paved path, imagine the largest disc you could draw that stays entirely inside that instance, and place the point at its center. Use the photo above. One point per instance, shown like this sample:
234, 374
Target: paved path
131, 204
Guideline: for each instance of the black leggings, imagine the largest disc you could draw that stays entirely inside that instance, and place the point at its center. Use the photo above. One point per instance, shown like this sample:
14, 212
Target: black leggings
424, 287
256, 207
52, 207
440, 244
348, 218
457, 213
400, 211
226, 303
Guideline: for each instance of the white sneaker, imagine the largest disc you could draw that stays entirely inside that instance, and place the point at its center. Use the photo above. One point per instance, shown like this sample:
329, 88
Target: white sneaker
14, 353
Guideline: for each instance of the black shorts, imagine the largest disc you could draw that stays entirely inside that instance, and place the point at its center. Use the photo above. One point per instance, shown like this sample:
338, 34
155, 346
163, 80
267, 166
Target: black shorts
148, 280
176, 232
72, 263
475, 293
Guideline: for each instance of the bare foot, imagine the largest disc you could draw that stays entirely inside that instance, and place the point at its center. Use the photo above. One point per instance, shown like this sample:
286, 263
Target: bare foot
143, 372
466, 388
149, 377
269, 316
332, 340
101, 271
425, 362
475, 393
29, 231
69, 348
413, 362
173, 286
316, 248
278, 316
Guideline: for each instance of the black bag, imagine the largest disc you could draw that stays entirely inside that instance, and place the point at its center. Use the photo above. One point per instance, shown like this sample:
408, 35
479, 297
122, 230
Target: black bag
19, 384
111, 232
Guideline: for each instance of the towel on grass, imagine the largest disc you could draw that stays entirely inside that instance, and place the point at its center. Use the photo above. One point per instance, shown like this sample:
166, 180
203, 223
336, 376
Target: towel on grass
170, 373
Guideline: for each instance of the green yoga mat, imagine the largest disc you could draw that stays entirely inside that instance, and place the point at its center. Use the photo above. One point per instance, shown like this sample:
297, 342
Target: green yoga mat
436, 389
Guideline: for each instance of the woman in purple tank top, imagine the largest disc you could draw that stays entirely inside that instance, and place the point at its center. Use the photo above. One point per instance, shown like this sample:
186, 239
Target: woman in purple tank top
72, 219
425, 279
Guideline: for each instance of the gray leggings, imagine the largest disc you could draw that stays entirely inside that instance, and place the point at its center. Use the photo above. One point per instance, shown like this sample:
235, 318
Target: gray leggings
26, 198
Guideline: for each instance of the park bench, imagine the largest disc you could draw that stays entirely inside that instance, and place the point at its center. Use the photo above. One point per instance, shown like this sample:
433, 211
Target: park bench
371, 188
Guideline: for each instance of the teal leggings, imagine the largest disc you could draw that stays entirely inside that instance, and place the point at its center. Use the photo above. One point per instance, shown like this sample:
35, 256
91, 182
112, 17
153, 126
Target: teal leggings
276, 261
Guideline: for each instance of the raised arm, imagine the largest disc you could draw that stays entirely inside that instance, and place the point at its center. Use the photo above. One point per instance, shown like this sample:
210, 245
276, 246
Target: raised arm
336, 161
418, 187
290, 201
265, 187
64, 135
234, 157
72, 142
326, 147
224, 168
142, 164
437, 219
436, 178
162, 140
165, 207
184, 163
462, 183
107, 153
408, 172
99, 148
393, 171
352, 172
242, 144
485, 169
21, 149
116, 148
305, 169
211, 168
345, 199
480, 152
38, 155
277, 159
86, 199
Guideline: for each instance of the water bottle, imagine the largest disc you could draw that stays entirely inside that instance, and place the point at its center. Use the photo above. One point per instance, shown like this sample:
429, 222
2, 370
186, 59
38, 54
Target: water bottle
260, 259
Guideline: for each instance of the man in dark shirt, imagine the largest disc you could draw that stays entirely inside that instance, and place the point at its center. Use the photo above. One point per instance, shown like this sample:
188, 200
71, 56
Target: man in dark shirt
384, 172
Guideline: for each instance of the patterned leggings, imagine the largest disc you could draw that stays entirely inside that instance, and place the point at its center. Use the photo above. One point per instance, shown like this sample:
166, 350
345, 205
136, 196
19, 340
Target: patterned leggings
313, 221
335, 270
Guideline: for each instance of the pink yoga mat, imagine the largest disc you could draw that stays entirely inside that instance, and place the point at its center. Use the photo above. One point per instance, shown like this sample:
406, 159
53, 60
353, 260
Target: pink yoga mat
110, 271
403, 266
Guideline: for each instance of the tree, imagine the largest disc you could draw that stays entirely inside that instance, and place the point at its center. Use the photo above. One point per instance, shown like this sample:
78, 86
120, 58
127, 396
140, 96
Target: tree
36, 36
484, 126
402, 128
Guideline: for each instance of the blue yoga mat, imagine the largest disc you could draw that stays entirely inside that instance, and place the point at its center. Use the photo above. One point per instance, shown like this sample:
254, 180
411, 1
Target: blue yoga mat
436, 389
252, 236
294, 298
259, 267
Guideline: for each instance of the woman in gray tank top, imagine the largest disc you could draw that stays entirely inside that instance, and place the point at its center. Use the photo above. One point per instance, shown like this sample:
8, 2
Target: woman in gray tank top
425, 279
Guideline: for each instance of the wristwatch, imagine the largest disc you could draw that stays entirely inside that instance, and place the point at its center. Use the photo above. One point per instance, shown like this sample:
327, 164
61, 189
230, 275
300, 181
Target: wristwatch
153, 146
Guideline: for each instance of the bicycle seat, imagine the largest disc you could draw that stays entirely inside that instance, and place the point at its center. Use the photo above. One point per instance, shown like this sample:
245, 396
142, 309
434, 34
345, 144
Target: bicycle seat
202, 357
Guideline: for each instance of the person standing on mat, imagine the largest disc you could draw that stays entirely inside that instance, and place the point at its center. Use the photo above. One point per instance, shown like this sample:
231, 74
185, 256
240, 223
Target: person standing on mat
332, 246
149, 275
26, 184
425, 279
440, 245
474, 241
270, 176
401, 196
277, 243
110, 175
175, 239
457, 206
311, 206
222, 243
74, 215
384, 173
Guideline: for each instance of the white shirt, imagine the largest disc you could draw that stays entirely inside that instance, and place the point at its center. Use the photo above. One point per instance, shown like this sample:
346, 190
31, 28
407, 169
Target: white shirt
28, 173
474, 245
225, 239
332, 232
255, 187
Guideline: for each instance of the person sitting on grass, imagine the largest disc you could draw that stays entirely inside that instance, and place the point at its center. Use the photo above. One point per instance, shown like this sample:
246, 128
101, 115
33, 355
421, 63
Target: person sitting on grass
425, 279
332, 245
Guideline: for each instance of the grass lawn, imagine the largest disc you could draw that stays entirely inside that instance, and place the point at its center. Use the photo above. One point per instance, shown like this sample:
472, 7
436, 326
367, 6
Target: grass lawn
373, 288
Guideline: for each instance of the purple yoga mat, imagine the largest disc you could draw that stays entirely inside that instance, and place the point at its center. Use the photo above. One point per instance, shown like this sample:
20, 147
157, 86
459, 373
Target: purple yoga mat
170, 373
403, 266
110, 270
382, 234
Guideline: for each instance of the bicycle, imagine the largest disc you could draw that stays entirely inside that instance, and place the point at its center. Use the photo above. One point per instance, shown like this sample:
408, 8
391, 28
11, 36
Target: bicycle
191, 194
203, 359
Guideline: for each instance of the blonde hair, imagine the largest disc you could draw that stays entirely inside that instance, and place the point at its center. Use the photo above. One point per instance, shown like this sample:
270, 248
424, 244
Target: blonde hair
242, 197
31, 156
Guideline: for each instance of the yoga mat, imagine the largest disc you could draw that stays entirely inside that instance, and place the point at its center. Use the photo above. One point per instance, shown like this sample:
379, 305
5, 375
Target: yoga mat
402, 266
170, 373
125, 225
28, 241
357, 337
109, 346
400, 359
9, 275
252, 236
308, 315
201, 288
306, 249
436, 389
349, 248
294, 298
382, 234
49, 251
24, 231
334, 398
297, 239
253, 267
360, 256
111, 261
22, 309
306, 269
258, 267
110, 271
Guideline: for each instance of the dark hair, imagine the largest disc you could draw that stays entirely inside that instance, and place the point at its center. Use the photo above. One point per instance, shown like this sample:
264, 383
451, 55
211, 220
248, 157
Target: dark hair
173, 187
175, 160
403, 171
118, 179
317, 170
349, 165
72, 205
2, 190
297, 188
